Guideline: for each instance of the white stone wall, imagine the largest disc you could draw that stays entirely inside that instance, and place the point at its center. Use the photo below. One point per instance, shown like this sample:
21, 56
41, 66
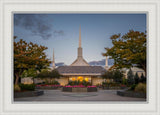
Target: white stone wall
63, 80
96, 81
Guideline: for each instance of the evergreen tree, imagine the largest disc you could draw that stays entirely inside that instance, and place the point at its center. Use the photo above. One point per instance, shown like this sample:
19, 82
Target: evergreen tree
117, 76
136, 78
130, 77
143, 79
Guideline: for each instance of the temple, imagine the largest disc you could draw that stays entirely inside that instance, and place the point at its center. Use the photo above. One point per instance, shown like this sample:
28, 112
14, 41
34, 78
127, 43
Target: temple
80, 69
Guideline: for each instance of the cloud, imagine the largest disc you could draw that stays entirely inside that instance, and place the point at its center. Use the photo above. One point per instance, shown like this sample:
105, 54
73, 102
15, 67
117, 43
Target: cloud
37, 24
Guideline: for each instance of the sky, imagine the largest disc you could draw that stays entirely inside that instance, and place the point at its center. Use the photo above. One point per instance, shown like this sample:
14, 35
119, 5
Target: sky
61, 32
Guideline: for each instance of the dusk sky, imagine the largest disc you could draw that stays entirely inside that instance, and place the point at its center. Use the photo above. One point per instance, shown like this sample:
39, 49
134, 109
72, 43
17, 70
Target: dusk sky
61, 32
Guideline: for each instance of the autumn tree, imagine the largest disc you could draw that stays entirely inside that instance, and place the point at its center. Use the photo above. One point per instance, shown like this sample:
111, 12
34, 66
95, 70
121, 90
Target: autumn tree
128, 50
28, 55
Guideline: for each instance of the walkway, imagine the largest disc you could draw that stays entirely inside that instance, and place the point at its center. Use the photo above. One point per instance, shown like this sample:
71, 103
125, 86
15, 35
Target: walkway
57, 95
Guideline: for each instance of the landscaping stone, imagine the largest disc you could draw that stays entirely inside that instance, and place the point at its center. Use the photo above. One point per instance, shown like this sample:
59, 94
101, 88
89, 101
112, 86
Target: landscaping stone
28, 94
131, 94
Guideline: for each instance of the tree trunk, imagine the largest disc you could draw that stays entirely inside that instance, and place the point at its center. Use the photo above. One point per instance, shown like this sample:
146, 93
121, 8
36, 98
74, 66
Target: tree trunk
17, 79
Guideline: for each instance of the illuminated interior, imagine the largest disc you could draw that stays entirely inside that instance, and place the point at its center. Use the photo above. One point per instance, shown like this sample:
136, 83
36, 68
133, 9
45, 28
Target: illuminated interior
80, 78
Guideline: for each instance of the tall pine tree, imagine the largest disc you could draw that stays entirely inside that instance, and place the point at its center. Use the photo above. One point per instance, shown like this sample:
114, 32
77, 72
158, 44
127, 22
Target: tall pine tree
130, 77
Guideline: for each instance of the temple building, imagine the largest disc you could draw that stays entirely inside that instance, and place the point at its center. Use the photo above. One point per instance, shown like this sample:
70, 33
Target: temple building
80, 69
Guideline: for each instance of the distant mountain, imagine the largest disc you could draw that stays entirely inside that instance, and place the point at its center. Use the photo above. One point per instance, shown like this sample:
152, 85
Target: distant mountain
92, 63
60, 64
101, 62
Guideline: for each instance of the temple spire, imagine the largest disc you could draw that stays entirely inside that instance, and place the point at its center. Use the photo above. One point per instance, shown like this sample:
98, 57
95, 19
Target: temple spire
53, 63
106, 64
80, 37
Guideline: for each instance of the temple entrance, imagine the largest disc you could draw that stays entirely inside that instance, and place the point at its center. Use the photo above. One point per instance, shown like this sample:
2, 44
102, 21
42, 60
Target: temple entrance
80, 78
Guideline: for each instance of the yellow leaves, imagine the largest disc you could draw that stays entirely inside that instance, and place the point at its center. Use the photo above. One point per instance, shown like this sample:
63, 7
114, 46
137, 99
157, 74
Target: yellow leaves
128, 49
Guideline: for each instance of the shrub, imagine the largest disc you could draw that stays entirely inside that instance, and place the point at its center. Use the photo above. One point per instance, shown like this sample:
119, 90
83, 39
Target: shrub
30, 87
17, 88
56, 83
141, 87
133, 87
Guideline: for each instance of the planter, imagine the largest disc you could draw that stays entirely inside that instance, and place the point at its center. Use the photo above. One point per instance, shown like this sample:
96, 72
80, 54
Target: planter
28, 94
92, 89
67, 89
131, 94
109, 88
48, 87
79, 89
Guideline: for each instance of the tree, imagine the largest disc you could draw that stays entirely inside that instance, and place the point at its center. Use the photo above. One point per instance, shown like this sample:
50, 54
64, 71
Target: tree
136, 78
128, 50
107, 75
43, 74
54, 74
130, 77
48, 74
117, 76
29, 73
28, 55
143, 79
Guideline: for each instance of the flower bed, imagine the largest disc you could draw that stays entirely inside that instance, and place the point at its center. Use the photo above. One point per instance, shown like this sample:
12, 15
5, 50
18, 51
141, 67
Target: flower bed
48, 86
79, 88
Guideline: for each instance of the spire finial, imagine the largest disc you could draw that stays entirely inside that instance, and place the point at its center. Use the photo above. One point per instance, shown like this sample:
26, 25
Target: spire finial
53, 63
80, 36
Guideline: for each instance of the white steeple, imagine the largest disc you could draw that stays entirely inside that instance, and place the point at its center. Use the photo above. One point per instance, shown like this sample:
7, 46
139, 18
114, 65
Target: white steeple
80, 37
106, 65
53, 62
80, 61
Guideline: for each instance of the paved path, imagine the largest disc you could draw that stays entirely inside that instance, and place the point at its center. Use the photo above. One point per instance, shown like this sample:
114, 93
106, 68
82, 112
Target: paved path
57, 95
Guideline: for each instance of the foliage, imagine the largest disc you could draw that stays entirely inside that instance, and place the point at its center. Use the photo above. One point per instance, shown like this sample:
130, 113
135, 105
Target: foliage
130, 77
142, 79
141, 87
124, 81
56, 83
128, 50
17, 88
46, 73
30, 87
133, 87
107, 75
136, 78
117, 76
28, 55
43, 74
54, 74
77, 82
29, 73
